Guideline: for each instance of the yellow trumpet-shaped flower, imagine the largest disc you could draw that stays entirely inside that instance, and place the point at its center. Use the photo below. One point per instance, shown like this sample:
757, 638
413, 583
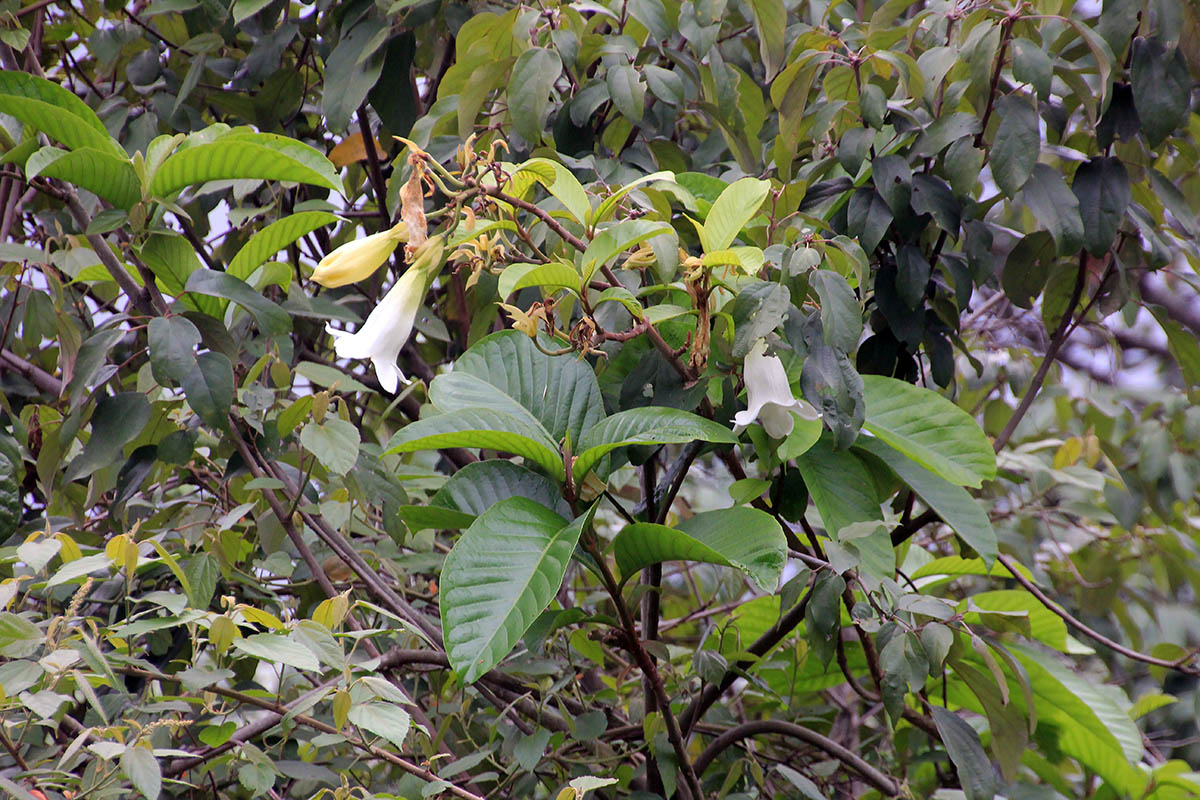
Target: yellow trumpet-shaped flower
388, 327
356, 260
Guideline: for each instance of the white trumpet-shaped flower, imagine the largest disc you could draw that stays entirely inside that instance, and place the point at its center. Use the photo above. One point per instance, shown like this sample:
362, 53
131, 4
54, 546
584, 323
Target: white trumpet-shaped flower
769, 395
388, 327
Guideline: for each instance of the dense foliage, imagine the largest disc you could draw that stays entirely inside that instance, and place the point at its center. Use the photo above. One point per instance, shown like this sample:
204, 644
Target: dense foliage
800, 400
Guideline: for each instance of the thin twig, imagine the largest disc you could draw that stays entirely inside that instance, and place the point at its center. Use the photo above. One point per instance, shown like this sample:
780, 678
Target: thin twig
1061, 332
1117, 647
880, 780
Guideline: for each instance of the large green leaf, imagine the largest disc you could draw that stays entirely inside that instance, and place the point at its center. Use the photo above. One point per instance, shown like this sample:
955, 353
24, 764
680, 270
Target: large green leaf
1089, 724
529, 87
502, 573
839, 485
273, 238
741, 537
649, 425
929, 429
561, 392
1044, 625
736, 206
953, 503
99, 171
271, 318
244, 155
480, 427
975, 771
477, 487
454, 390
48, 107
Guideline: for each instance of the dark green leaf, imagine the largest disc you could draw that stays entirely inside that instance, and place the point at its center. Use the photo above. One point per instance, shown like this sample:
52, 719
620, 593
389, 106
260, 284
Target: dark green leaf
477, 487
912, 275
650, 425
118, 419
1031, 65
351, 71
1027, 268
830, 382
953, 504
559, 392
975, 771
1055, 207
627, 90
841, 315
210, 390
1016, 144
173, 343
270, 317
1102, 187
840, 486
757, 310
868, 218
529, 88
1162, 85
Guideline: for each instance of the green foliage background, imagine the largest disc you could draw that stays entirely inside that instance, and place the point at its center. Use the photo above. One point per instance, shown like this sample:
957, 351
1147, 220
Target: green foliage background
231, 565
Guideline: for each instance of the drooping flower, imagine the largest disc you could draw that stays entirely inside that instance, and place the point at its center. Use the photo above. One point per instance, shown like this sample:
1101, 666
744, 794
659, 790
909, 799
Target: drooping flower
356, 260
388, 327
769, 395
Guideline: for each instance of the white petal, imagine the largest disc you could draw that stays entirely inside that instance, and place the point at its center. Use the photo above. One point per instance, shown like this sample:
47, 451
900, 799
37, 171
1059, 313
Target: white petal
777, 420
386, 330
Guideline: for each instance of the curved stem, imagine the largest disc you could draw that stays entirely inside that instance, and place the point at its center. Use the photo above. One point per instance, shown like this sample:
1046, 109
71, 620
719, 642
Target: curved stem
1117, 647
880, 780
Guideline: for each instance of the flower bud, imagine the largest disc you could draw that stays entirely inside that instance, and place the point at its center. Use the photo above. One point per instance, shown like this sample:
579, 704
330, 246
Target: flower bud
356, 260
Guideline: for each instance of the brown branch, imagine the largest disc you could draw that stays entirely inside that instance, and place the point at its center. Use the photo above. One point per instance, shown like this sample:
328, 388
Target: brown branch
761, 646
1005, 36
1057, 340
31, 372
634, 645
1117, 647
544, 216
880, 780
378, 186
